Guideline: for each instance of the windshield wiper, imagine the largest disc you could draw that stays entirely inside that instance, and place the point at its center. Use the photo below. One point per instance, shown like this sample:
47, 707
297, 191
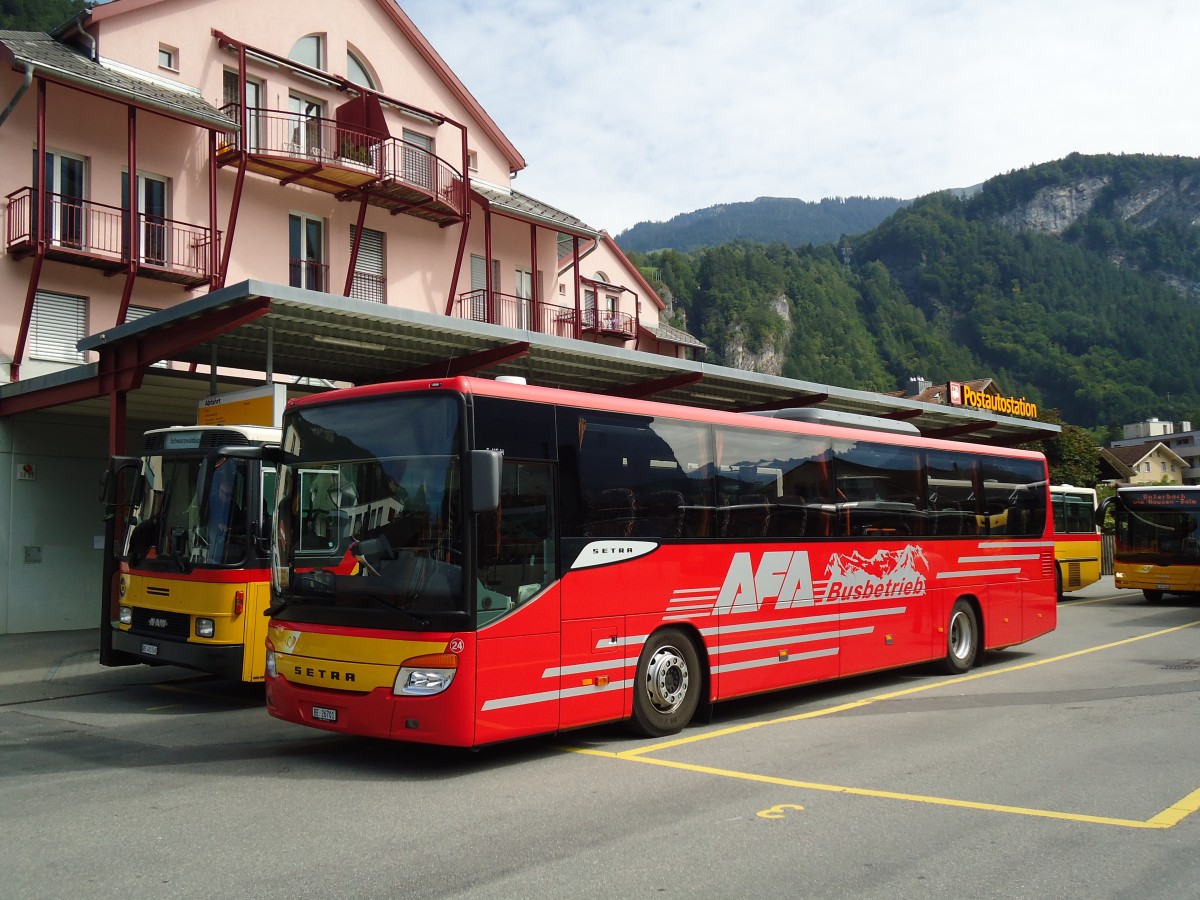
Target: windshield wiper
411, 616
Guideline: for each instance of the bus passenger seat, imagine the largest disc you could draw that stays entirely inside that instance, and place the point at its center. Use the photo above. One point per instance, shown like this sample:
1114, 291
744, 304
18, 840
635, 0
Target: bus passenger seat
610, 513
660, 515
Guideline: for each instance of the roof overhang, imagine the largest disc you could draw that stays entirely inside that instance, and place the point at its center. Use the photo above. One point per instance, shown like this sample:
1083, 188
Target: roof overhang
294, 333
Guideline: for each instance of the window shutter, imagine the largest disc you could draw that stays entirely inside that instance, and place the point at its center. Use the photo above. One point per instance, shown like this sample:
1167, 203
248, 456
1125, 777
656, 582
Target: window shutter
58, 323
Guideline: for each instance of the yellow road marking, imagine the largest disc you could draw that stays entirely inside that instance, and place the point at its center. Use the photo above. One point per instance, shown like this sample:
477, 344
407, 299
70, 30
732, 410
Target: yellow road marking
1168, 818
892, 695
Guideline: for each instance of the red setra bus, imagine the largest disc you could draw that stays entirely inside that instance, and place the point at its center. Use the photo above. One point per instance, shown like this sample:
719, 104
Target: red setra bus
466, 561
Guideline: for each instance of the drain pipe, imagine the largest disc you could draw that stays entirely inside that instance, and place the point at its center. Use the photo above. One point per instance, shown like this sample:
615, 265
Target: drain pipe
25, 83
91, 41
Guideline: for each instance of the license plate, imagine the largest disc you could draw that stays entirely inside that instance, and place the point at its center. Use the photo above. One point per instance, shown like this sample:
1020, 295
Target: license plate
323, 714
150, 649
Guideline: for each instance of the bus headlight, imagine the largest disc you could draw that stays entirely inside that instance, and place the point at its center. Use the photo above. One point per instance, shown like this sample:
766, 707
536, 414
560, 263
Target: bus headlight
125, 615
425, 675
271, 671
204, 628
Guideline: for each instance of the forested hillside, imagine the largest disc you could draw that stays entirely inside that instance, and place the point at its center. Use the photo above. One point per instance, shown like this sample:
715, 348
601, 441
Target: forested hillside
1071, 283
767, 219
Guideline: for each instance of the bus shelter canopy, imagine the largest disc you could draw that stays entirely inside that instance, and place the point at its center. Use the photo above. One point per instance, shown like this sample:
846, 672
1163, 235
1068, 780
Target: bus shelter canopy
319, 340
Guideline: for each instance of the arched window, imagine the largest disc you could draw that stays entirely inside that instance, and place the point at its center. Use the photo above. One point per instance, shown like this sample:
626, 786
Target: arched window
358, 72
307, 52
602, 277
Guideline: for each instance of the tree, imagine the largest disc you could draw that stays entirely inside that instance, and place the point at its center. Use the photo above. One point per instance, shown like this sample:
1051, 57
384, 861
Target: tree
1073, 455
40, 15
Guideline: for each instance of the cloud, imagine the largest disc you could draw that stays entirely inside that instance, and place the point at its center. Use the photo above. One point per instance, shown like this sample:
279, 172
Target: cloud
635, 110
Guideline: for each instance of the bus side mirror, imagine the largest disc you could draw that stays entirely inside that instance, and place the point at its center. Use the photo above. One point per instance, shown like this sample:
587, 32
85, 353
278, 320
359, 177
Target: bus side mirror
1102, 511
483, 467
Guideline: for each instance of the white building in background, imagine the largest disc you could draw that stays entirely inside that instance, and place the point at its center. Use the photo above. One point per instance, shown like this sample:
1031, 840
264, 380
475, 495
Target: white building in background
1178, 437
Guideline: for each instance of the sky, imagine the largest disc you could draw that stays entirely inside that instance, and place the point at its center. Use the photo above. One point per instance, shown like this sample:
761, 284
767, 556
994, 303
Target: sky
636, 110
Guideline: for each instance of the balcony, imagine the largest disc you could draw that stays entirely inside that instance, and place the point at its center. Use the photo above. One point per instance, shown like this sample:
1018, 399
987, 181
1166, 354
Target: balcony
328, 156
95, 235
544, 318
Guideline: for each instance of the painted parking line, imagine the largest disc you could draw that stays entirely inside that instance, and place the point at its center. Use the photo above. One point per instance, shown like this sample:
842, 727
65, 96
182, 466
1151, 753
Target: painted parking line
1167, 818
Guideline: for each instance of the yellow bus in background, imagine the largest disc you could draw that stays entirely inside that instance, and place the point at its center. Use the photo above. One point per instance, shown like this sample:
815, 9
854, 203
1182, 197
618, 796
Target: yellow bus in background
1157, 544
1076, 537
187, 561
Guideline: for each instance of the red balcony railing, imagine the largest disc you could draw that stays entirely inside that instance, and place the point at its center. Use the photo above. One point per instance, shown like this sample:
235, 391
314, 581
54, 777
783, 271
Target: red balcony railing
321, 153
545, 318
308, 273
95, 234
366, 286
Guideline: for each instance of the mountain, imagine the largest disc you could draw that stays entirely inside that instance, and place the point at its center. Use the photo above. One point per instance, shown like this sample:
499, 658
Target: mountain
1075, 283
792, 222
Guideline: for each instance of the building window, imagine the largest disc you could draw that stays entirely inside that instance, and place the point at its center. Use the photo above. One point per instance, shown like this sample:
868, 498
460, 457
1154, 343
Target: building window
472, 161
58, 324
154, 221
64, 204
358, 72
304, 128
417, 150
168, 57
308, 51
370, 279
306, 252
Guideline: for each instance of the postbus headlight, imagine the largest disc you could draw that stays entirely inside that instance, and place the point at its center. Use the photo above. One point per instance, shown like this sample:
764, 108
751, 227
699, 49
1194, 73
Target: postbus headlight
271, 670
425, 675
125, 615
204, 628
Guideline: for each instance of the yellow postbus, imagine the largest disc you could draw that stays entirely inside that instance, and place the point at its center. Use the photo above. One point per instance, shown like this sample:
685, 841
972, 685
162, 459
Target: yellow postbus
1076, 537
187, 553
1157, 545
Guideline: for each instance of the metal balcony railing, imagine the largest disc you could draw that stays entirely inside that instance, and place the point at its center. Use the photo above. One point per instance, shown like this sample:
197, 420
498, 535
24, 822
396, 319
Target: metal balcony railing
303, 146
367, 286
544, 318
96, 234
309, 274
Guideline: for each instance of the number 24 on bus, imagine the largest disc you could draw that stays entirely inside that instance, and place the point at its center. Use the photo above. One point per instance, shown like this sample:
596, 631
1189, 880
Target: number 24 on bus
466, 561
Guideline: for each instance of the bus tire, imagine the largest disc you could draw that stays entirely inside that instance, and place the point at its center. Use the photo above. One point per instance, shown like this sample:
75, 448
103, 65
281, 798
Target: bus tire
962, 639
1152, 596
1058, 583
667, 690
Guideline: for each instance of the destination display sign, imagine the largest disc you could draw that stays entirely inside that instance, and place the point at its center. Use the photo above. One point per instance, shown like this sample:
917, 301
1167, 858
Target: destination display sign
1160, 499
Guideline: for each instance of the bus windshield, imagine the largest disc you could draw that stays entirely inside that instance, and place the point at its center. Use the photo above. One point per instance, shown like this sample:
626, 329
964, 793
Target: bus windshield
179, 528
1158, 536
369, 513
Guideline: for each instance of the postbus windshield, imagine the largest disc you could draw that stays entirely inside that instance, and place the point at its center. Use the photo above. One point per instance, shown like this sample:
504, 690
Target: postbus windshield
369, 524
1158, 536
178, 527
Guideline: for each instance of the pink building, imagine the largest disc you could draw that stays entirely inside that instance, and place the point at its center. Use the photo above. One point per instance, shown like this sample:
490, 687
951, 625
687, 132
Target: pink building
276, 141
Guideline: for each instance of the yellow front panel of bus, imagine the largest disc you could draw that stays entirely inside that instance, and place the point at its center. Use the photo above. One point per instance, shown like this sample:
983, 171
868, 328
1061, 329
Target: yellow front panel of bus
343, 661
211, 600
1184, 579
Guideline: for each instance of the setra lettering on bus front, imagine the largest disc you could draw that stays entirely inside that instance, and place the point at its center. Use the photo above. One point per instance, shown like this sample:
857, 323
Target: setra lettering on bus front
323, 674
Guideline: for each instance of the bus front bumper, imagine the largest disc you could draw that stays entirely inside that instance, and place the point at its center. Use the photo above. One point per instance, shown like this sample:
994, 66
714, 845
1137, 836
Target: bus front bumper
376, 714
224, 661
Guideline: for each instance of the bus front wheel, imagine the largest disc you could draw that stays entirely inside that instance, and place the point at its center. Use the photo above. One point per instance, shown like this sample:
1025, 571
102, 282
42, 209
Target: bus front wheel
1152, 596
667, 690
962, 639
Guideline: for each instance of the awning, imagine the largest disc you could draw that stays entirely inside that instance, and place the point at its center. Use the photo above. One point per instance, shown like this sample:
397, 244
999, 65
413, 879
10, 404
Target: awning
312, 335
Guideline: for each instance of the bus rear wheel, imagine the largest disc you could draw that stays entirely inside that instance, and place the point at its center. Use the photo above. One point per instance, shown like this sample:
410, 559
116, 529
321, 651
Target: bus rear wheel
962, 639
667, 690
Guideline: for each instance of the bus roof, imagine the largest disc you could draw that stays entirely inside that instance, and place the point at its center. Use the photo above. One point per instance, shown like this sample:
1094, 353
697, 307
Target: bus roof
486, 387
